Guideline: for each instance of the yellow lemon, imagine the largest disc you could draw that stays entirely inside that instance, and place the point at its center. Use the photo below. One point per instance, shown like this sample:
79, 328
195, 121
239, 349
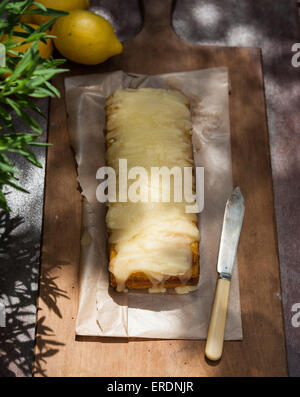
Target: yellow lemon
61, 5
27, 18
44, 49
86, 38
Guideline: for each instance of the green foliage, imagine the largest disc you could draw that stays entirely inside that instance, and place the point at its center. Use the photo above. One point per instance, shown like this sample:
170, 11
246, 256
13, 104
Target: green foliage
25, 76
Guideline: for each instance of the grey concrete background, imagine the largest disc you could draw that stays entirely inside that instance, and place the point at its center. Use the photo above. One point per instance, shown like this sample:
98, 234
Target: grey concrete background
20, 238
269, 24
272, 25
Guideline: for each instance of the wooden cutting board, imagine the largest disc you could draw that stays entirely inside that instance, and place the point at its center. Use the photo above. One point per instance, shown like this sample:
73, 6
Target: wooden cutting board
58, 352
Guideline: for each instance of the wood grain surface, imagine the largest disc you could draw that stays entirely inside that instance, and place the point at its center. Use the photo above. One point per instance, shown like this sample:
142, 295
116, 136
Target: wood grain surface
156, 49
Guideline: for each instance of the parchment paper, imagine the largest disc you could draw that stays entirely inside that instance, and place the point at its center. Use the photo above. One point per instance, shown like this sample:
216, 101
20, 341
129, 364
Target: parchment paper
101, 310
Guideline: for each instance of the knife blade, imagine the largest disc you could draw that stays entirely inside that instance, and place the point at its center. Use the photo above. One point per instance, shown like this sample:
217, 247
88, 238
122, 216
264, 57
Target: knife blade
232, 225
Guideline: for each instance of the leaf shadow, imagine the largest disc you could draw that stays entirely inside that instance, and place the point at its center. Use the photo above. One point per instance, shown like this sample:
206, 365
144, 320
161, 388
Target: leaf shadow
19, 271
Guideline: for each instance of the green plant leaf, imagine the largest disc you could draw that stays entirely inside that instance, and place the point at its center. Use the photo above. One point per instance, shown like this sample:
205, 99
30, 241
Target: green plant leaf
28, 77
3, 202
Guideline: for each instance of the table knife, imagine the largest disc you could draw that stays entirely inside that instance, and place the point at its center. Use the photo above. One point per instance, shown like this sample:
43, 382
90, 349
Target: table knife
232, 224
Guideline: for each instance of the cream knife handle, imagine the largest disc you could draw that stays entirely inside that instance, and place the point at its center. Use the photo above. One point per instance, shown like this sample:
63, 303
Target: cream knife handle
215, 337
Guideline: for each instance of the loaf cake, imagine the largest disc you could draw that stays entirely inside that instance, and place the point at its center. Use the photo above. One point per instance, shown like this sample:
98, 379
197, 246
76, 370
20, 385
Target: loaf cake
153, 245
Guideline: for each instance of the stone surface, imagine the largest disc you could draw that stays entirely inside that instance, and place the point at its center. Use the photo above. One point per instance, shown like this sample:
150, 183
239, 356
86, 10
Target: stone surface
273, 26
20, 238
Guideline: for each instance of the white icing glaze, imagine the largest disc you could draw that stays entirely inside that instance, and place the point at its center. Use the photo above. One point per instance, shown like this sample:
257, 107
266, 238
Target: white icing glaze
150, 128
185, 289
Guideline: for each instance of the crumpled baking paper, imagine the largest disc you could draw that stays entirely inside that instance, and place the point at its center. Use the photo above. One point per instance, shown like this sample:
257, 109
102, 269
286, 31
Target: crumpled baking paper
101, 310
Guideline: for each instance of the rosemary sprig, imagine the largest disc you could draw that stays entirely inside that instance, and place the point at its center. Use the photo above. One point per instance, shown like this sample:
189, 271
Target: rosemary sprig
26, 76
